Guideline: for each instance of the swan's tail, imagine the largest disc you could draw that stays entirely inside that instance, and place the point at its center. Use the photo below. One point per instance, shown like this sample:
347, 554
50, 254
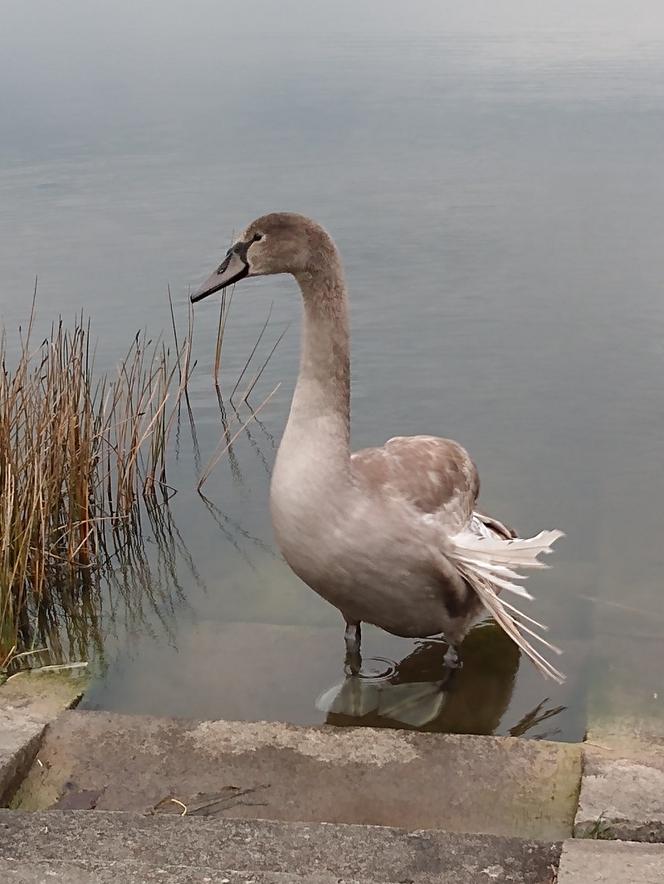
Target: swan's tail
489, 564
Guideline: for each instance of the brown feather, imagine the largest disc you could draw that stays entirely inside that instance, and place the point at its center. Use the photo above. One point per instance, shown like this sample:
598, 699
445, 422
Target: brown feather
437, 476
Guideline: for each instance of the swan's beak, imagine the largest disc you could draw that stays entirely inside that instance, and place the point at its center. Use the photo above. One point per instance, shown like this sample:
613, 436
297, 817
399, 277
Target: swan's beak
233, 267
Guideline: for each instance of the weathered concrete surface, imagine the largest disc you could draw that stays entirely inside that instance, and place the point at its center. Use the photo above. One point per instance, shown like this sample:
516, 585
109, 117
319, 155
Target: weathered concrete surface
92, 872
611, 862
622, 791
132, 873
277, 771
28, 701
183, 846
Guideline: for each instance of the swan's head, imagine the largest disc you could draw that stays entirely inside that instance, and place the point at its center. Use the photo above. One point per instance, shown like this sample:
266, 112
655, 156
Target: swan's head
281, 242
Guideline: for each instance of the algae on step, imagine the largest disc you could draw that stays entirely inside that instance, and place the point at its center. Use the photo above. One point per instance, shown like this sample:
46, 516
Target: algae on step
28, 702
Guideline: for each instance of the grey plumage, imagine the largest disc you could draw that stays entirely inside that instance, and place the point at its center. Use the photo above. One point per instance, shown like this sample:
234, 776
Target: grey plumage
391, 536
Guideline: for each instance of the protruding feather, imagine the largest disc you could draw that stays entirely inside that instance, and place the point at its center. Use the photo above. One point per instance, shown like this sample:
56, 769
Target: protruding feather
489, 566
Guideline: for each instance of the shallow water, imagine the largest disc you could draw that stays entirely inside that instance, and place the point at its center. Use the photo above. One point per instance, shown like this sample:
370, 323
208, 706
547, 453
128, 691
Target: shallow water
494, 181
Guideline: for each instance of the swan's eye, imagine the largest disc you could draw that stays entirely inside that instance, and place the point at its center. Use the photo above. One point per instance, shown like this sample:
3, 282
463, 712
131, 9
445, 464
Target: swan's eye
257, 237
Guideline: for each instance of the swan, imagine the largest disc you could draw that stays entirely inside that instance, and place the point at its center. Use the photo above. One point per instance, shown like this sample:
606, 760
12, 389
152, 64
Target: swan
390, 536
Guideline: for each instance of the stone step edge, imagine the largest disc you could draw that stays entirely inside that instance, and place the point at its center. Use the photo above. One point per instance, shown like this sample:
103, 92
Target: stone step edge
131, 763
29, 701
65, 872
260, 728
371, 853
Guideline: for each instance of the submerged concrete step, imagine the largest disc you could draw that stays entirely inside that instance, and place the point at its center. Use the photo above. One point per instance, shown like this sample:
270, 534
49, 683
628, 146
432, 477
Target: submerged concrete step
497, 785
95, 846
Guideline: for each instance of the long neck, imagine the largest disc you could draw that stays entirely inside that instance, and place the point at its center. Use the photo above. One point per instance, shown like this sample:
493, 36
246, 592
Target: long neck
319, 423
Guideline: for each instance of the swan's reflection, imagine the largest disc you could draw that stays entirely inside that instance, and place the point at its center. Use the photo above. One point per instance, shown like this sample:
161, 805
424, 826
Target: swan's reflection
420, 693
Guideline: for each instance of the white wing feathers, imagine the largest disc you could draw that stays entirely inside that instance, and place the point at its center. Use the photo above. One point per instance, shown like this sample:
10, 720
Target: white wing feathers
490, 564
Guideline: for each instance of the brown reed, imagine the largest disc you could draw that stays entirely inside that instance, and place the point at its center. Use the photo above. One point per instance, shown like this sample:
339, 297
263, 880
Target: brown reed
77, 457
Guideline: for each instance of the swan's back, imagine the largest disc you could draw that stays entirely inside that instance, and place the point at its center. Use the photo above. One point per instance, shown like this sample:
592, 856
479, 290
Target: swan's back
436, 476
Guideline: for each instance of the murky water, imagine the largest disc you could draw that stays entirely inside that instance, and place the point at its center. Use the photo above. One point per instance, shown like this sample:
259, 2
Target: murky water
494, 181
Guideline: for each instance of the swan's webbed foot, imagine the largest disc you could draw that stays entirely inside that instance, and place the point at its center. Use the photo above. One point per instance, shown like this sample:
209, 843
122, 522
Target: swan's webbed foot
353, 639
452, 660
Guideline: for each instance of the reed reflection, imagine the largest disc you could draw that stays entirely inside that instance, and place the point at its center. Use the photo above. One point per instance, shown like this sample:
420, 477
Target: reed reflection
138, 584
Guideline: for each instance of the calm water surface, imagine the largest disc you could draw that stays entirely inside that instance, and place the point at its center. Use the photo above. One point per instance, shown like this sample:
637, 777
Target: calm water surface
495, 182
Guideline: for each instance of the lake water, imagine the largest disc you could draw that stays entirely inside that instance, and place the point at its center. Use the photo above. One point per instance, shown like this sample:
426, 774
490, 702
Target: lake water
493, 176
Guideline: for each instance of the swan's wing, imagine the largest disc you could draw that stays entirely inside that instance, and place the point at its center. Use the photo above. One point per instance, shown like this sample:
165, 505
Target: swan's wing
491, 565
437, 476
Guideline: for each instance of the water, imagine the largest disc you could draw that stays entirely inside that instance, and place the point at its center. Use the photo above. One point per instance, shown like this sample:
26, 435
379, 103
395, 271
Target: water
493, 178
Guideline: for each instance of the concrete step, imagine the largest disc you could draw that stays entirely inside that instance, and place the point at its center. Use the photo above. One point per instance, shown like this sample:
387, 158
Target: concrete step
496, 785
604, 862
28, 701
96, 846
92, 872
622, 792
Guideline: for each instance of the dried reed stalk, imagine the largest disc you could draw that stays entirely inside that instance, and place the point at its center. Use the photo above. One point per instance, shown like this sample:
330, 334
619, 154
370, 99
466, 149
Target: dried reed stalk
82, 460
77, 457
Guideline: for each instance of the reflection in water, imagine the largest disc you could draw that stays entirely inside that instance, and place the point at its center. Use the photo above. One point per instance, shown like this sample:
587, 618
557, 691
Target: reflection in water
234, 532
536, 716
135, 584
143, 575
421, 693
142, 585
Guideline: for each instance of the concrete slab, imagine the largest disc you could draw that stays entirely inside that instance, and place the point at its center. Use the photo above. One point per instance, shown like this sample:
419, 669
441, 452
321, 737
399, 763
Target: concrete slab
497, 785
92, 872
28, 702
102, 843
606, 862
622, 791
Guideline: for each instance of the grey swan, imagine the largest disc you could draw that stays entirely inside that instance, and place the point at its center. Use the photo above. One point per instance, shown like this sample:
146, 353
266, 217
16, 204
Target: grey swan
390, 536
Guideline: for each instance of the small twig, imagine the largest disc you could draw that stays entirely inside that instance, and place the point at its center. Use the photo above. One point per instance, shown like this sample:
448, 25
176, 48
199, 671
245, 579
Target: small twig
171, 800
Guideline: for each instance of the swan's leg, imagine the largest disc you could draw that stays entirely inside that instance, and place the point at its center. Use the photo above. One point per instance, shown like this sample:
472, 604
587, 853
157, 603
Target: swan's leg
353, 638
452, 660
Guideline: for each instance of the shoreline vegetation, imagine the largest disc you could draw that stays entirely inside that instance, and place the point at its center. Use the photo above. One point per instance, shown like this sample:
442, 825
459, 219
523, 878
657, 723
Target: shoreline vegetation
83, 474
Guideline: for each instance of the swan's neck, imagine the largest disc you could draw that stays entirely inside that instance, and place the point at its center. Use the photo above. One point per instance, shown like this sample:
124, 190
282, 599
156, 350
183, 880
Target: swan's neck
316, 438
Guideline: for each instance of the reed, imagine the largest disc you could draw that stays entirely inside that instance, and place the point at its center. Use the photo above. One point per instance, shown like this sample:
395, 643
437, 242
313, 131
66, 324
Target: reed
79, 457
83, 477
